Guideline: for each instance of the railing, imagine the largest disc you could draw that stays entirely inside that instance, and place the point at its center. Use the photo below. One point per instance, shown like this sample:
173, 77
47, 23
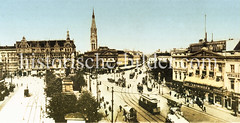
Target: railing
233, 75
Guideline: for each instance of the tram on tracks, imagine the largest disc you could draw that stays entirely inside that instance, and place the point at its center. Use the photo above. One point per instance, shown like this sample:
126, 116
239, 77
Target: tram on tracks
129, 113
150, 104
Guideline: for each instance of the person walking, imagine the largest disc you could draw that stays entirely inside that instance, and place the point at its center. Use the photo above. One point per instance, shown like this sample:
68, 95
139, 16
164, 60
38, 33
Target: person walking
120, 107
106, 112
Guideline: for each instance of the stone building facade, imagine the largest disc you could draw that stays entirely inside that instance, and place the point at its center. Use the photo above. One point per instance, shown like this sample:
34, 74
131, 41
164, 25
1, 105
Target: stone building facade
8, 57
34, 57
210, 71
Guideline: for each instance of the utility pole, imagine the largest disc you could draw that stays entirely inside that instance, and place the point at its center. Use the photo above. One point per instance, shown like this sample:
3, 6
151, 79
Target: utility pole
97, 85
162, 89
114, 74
112, 104
159, 87
90, 89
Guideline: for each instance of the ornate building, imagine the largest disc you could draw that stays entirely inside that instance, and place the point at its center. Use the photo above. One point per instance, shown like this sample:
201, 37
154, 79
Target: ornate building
34, 57
106, 58
8, 57
210, 71
93, 38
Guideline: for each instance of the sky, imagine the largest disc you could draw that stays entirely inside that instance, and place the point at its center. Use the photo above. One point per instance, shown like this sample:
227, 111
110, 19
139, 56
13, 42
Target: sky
144, 25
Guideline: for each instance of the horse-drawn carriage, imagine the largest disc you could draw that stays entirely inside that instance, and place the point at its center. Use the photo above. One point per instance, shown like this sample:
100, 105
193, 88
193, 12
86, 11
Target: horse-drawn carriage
129, 113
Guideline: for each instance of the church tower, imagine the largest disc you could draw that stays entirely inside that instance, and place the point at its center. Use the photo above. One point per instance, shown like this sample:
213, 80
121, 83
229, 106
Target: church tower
94, 45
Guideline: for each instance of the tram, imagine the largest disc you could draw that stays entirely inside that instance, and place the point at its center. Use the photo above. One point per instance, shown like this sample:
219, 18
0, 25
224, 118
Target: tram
150, 104
129, 113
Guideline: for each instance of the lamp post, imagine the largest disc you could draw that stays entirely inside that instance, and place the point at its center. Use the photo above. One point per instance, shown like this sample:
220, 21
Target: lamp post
97, 84
162, 89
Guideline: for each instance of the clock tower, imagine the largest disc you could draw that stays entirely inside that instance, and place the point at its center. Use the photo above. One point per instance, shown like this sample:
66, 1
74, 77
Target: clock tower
93, 38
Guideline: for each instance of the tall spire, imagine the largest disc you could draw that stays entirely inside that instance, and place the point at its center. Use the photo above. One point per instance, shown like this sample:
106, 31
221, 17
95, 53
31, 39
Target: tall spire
93, 40
93, 20
93, 16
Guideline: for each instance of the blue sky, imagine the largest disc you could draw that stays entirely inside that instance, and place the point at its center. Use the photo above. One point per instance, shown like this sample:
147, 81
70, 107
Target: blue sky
145, 25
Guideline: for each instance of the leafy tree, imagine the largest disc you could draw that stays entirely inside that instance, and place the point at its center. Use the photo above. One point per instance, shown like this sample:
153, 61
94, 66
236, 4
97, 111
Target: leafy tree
2, 88
88, 106
78, 81
60, 105
53, 84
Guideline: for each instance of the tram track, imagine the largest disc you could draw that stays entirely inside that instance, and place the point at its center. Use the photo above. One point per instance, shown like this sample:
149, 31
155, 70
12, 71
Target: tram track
159, 116
119, 90
32, 104
131, 102
162, 119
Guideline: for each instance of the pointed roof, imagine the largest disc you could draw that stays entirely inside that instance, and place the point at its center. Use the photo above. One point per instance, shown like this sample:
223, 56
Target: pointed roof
93, 21
68, 36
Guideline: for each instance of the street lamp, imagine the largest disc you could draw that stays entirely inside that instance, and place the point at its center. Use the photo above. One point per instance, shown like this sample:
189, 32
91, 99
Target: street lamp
162, 89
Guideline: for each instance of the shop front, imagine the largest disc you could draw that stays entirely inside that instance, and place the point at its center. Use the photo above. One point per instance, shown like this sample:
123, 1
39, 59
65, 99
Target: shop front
212, 95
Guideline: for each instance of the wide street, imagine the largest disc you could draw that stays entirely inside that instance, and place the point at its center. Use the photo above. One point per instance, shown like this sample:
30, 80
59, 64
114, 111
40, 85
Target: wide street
130, 96
30, 109
25, 109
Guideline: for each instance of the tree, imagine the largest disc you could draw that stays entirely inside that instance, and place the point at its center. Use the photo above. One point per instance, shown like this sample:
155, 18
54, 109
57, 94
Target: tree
88, 106
78, 81
53, 84
60, 105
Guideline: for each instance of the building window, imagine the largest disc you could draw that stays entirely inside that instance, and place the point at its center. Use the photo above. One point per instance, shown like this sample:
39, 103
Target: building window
203, 74
205, 67
180, 75
185, 64
175, 75
232, 69
190, 74
211, 74
219, 78
185, 74
220, 67
197, 72
175, 64
232, 84
212, 67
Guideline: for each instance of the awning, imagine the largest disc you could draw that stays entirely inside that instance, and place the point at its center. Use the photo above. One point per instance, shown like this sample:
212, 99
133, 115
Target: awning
204, 82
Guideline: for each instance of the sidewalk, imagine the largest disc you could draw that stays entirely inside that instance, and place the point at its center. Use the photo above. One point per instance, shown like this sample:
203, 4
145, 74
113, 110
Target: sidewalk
7, 98
212, 110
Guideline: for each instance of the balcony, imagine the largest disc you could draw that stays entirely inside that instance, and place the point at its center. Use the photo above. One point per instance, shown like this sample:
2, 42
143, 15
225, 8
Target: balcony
233, 75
